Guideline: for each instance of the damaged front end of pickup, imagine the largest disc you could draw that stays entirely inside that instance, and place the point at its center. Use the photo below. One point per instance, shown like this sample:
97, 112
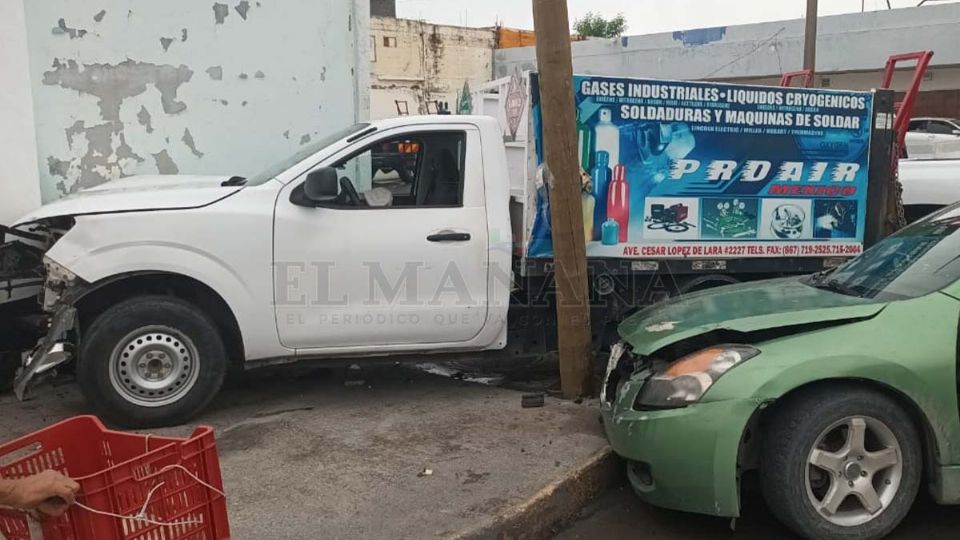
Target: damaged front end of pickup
36, 304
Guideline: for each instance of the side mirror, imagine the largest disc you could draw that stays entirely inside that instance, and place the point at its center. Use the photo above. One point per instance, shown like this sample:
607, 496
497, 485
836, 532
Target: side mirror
321, 186
956, 132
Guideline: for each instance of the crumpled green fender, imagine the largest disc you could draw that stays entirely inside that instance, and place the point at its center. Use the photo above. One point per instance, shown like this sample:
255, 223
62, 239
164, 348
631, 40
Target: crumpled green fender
910, 348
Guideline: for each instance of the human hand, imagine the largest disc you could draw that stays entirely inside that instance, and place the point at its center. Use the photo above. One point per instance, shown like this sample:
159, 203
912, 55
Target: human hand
49, 493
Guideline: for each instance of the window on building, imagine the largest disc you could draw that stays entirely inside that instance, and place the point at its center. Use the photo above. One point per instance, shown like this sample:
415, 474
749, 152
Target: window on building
389, 41
373, 49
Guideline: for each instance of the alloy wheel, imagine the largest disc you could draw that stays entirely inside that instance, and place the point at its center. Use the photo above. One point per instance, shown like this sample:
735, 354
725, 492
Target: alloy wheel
854, 471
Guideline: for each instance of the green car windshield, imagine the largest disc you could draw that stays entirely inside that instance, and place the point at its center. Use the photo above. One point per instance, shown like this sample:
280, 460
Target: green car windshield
916, 261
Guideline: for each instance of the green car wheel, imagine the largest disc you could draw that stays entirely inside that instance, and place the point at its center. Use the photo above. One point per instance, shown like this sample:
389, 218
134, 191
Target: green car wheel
841, 463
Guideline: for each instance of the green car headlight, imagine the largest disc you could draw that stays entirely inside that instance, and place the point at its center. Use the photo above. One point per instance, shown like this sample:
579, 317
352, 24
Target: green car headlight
685, 381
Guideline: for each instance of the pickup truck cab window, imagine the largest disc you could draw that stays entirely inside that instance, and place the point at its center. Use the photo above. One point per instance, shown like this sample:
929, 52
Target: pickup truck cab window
419, 170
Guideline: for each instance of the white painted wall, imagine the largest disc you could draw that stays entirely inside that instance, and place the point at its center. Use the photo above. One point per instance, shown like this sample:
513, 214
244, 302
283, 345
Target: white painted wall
123, 88
19, 187
853, 42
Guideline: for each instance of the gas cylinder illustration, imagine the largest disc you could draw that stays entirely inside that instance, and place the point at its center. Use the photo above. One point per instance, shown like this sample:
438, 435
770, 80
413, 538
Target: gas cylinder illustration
584, 144
601, 185
608, 137
611, 233
618, 201
588, 202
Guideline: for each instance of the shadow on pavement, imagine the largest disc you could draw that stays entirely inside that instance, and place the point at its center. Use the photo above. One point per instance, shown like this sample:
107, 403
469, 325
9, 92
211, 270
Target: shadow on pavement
621, 515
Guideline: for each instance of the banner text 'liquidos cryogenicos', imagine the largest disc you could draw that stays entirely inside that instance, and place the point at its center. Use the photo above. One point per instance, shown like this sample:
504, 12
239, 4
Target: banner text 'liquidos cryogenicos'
686, 169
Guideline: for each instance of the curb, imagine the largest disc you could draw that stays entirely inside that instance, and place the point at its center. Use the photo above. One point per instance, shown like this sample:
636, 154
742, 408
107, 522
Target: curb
553, 506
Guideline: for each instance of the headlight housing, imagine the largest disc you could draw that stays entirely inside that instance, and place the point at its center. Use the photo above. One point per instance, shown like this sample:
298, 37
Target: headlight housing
685, 381
56, 272
58, 279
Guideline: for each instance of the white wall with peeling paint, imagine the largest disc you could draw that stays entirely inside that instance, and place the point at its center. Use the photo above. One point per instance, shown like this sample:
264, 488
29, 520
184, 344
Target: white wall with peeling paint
123, 87
19, 187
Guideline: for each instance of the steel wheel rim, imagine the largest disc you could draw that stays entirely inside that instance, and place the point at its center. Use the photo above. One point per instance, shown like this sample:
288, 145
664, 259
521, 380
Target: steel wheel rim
853, 471
154, 366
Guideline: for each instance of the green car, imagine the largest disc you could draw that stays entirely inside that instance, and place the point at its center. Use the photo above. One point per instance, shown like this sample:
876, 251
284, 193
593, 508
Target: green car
836, 392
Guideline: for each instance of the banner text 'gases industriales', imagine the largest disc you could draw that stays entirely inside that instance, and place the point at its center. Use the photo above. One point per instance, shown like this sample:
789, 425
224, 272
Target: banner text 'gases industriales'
688, 169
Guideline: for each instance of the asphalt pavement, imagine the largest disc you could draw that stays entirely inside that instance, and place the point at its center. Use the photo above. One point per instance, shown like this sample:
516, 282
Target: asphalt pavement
390, 452
620, 515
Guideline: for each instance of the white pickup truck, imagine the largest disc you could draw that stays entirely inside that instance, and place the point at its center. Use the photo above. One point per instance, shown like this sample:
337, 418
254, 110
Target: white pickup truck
161, 282
421, 234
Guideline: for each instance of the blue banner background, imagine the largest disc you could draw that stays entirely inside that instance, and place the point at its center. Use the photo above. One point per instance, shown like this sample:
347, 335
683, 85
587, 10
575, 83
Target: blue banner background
693, 208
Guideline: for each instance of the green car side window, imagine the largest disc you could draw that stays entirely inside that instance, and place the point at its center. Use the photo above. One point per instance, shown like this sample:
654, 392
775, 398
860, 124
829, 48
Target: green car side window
918, 260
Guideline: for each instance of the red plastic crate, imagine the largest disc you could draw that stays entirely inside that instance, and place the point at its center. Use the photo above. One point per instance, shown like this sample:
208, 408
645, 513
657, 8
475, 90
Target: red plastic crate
116, 472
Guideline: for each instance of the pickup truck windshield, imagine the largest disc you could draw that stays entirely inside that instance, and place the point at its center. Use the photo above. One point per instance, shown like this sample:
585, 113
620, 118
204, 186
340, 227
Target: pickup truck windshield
271, 172
918, 260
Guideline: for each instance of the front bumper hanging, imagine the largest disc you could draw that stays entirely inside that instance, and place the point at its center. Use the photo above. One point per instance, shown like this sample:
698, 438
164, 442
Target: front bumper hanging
52, 351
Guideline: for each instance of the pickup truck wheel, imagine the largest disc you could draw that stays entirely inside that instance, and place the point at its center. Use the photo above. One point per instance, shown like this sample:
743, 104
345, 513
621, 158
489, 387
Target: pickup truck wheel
841, 463
151, 361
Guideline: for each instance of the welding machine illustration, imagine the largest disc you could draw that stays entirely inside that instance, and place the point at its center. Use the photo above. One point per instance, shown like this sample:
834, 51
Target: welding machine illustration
671, 219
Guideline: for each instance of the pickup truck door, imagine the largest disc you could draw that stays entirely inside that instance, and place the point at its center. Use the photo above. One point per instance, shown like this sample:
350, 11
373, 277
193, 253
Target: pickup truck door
410, 273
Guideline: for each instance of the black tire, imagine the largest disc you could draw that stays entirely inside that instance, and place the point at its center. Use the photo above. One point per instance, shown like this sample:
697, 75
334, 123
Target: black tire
792, 431
9, 364
104, 335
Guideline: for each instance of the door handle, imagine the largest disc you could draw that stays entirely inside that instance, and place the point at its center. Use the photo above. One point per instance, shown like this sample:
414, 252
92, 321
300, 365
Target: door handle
449, 237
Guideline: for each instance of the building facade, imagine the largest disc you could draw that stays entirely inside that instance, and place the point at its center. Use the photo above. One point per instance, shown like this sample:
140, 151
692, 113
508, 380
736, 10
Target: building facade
417, 66
851, 52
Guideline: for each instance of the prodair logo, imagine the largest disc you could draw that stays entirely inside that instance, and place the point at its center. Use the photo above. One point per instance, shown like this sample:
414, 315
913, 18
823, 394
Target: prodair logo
759, 170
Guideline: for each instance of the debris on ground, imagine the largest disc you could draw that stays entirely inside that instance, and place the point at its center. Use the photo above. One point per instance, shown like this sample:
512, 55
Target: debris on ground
425, 472
453, 373
531, 401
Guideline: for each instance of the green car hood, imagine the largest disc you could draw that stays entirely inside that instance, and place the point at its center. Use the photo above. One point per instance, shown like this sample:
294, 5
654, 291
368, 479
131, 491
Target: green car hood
747, 307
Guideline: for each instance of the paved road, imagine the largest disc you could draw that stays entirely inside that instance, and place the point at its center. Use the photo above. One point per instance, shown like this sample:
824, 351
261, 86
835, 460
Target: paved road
621, 515
304, 456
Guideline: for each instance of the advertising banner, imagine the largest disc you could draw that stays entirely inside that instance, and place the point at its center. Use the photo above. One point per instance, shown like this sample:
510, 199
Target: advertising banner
674, 169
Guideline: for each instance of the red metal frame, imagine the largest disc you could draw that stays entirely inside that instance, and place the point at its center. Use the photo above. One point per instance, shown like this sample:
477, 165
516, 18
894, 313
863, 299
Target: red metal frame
904, 109
788, 77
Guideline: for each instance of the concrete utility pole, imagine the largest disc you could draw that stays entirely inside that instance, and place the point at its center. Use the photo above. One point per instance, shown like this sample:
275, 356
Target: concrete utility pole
552, 27
810, 38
